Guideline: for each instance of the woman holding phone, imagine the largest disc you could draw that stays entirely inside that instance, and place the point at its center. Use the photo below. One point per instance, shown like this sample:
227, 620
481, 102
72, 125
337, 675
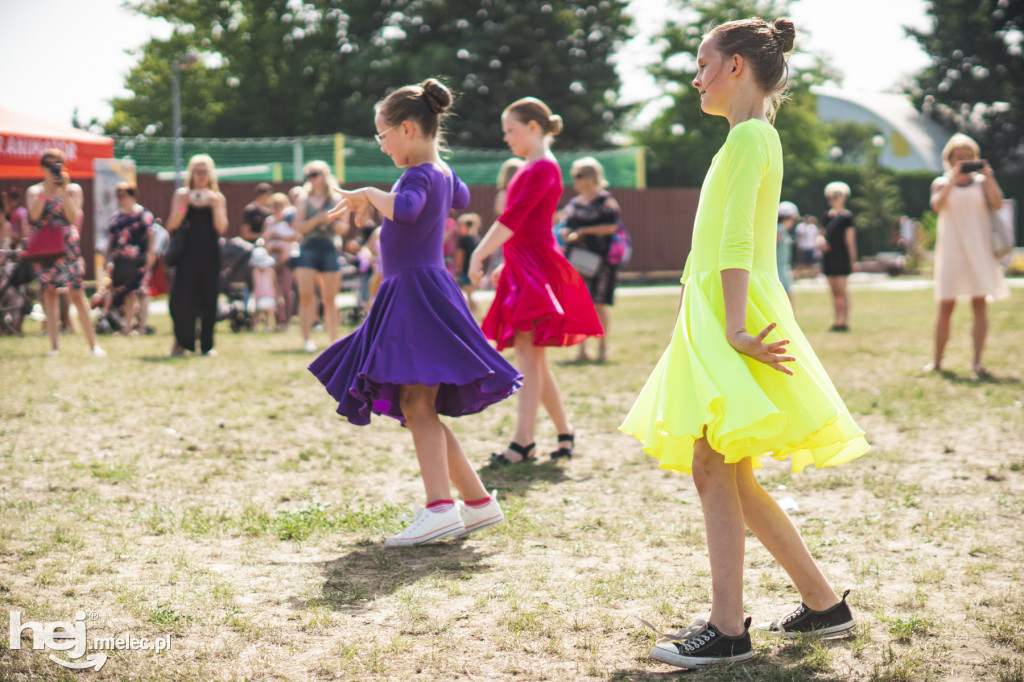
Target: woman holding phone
200, 208
57, 202
965, 266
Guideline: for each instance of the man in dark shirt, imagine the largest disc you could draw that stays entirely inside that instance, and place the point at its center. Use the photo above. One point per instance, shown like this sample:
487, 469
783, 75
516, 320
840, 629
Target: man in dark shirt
256, 212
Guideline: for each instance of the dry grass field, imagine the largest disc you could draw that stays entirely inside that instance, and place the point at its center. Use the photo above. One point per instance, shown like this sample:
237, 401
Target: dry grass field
221, 502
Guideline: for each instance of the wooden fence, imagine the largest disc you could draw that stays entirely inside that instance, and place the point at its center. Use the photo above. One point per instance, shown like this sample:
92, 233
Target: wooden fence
660, 221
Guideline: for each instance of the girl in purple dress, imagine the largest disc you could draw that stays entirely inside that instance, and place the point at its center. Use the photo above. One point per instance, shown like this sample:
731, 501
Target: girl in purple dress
419, 353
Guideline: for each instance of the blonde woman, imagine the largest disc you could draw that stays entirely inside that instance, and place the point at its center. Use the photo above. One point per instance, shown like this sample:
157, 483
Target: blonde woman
592, 218
964, 263
200, 208
839, 251
317, 266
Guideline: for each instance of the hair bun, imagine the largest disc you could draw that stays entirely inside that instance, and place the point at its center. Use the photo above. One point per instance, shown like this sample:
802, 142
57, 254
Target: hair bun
554, 124
785, 32
437, 95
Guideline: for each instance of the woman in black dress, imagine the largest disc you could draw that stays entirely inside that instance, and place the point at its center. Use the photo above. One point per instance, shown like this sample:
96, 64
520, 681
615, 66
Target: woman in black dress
200, 208
592, 218
839, 251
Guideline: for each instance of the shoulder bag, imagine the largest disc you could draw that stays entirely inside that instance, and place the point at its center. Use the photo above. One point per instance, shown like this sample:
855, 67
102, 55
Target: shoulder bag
1002, 235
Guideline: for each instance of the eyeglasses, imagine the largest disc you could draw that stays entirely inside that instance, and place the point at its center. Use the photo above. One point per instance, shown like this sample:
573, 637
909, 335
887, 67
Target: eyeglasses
312, 174
380, 136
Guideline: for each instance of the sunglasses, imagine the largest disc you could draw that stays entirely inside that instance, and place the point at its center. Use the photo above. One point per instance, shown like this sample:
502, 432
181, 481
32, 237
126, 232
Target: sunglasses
313, 174
123, 193
579, 176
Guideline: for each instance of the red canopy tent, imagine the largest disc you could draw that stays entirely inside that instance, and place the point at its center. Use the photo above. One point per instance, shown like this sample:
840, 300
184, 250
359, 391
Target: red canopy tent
23, 140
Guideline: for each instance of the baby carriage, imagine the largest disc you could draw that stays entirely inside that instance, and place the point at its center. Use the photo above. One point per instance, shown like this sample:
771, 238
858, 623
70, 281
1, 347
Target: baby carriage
236, 283
15, 296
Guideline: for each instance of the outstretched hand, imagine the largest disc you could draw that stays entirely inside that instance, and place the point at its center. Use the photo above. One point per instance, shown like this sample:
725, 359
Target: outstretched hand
771, 354
355, 201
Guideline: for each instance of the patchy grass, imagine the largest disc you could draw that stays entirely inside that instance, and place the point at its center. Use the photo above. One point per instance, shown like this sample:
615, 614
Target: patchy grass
222, 502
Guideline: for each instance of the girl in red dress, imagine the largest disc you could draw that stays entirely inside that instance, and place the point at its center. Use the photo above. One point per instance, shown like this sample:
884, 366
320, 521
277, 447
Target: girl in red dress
540, 300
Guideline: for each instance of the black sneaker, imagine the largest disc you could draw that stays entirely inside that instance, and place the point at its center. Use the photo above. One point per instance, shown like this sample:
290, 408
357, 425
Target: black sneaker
703, 644
828, 624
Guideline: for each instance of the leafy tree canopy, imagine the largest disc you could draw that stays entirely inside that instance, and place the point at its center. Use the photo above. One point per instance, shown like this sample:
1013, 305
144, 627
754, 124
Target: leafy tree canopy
683, 139
975, 83
280, 68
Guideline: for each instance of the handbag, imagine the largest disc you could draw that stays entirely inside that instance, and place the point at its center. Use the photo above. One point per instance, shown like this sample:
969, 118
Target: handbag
1002, 235
586, 262
176, 246
45, 244
621, 249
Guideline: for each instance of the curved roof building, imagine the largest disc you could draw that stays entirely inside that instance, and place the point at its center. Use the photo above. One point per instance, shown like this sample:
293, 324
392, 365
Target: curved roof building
913, 141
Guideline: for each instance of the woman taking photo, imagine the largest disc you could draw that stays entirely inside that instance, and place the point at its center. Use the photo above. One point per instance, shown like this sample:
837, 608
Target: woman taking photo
317, 266
130, 254
57, 202
592, 218
198, 207
964, 262
839, 251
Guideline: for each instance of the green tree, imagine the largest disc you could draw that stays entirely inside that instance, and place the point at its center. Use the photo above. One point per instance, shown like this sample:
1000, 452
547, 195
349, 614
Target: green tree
277, 68
975, 83
876, 205
682, 140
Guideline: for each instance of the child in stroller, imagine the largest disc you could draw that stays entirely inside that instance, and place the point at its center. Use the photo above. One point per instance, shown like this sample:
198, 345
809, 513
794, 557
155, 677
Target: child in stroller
236, 283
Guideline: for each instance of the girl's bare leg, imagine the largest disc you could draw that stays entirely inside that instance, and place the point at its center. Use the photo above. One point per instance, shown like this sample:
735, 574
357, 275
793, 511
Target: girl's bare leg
723, 523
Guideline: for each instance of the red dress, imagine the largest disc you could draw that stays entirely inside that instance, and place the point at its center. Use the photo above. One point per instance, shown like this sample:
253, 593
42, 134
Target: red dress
538, 290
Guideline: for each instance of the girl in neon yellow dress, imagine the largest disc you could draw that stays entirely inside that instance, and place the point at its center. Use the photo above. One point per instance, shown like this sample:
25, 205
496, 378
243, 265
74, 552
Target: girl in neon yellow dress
739, 379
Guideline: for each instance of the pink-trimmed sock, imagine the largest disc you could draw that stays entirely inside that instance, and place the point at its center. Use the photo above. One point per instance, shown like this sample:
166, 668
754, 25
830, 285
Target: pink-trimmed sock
440, 506
476, 504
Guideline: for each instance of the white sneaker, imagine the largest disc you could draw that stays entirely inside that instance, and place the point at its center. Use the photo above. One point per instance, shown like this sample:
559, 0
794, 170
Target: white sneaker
99, 352
477, 518
309, 346
426, 526
52, 353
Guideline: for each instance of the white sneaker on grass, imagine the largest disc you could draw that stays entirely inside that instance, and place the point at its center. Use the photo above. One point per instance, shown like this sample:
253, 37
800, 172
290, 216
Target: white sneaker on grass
426, 526
99, 352
477, 518
309, 346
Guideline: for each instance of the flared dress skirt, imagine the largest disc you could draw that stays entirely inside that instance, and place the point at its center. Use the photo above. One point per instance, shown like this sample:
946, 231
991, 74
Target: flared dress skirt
419, 331
702, 386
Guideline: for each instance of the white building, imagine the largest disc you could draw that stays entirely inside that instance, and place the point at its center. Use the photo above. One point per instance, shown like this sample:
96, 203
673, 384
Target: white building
912, 140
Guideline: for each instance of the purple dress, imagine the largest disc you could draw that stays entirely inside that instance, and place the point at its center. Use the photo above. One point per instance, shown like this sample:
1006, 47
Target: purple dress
419, 330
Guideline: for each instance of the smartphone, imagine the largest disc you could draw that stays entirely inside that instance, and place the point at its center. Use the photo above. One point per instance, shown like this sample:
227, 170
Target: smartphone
971, 166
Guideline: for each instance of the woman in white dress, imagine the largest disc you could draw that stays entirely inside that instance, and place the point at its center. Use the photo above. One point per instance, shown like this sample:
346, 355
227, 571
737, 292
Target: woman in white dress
965, 266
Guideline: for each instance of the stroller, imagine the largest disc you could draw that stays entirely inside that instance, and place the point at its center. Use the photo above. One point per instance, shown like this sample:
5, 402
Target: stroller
236, 283
16, 300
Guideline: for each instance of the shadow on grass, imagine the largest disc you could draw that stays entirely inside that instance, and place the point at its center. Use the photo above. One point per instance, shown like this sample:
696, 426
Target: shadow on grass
295, 351
986, 379
795, 661
514, 480
354, 580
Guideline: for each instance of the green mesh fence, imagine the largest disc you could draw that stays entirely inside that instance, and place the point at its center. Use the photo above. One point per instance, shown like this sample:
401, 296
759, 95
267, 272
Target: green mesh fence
354, 159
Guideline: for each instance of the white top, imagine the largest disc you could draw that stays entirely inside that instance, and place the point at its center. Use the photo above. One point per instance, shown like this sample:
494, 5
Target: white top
806, 236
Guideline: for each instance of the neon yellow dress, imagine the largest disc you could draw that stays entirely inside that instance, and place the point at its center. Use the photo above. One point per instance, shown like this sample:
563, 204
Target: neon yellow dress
701, 384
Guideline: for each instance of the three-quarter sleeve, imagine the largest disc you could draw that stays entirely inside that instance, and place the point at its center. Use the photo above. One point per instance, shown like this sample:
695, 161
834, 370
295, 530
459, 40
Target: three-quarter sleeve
528, 189
460, 193
411, 196
746, 162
